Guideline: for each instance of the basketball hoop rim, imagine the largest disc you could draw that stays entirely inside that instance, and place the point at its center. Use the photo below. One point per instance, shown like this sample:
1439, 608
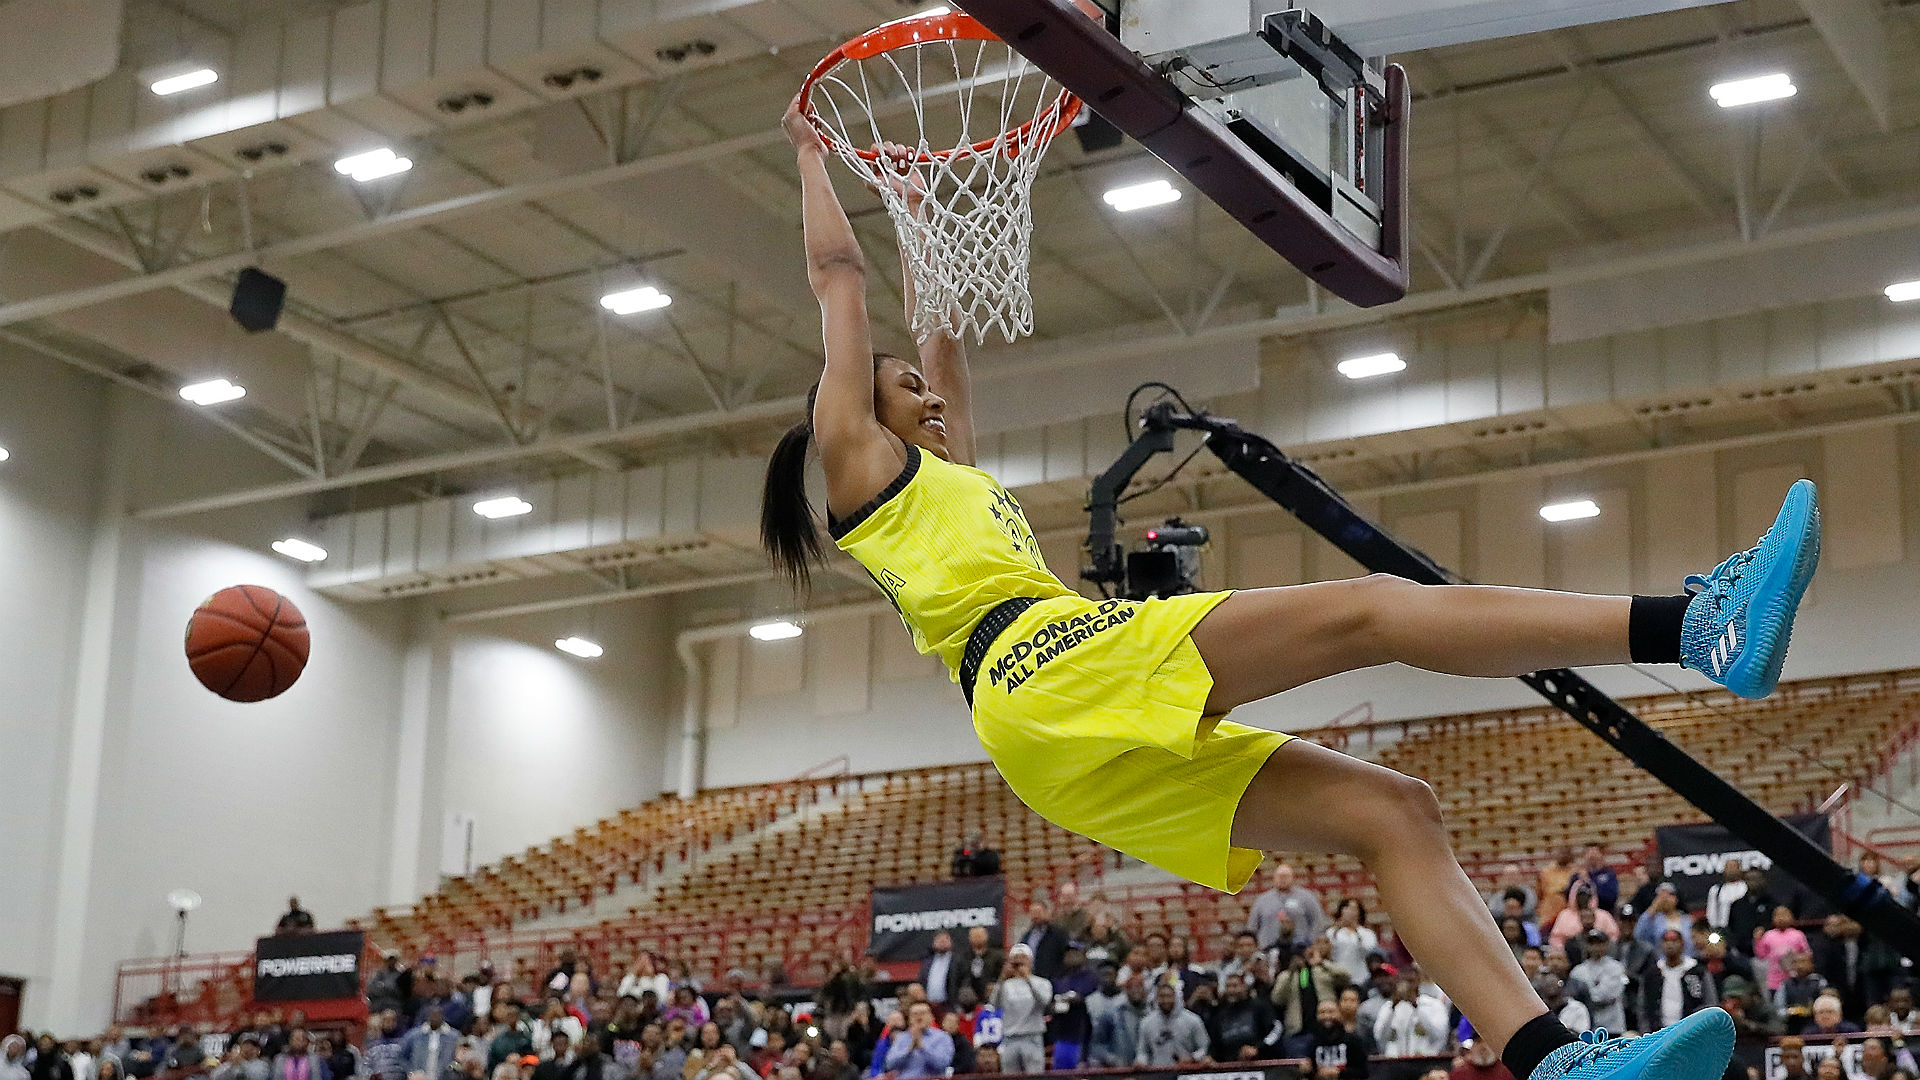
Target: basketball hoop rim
916, 30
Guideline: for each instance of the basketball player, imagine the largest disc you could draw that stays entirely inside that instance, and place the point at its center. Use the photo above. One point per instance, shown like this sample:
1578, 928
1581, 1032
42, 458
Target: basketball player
1105, 717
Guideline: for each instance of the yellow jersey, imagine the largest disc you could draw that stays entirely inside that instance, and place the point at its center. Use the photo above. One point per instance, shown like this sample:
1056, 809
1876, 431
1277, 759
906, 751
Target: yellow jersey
946, 543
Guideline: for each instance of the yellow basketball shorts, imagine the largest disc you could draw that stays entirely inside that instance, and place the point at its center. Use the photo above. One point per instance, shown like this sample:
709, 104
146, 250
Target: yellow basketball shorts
1093, 711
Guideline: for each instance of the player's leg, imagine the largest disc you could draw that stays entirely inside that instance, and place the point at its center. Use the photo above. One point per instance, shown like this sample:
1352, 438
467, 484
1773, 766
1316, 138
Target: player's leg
1262, 641
1309, 798
1734, 629
1391, 823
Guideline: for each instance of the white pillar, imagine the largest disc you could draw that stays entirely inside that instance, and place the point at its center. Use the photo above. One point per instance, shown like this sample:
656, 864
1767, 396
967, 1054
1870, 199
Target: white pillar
692, 748
416, 784
68, 985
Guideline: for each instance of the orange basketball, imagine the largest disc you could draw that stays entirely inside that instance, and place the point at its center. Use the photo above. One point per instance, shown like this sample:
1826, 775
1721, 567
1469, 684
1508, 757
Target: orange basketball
247, 643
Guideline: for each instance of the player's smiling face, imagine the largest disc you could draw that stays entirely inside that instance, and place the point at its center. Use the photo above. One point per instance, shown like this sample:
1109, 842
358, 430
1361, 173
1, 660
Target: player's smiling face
908, 407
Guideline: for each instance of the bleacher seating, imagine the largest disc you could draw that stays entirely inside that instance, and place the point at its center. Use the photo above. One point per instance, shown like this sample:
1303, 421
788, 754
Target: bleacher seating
797, 893
1515, 785
902, 831
593, 861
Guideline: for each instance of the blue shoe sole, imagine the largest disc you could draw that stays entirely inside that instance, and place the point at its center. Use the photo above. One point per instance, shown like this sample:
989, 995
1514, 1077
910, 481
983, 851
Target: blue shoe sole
1776, 598
1697, 1048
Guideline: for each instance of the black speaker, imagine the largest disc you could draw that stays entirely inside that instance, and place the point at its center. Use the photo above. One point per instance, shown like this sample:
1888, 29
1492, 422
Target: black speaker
257, 297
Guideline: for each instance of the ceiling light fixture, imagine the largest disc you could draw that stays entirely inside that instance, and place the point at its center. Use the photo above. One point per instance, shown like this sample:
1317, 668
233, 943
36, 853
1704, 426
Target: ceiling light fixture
505, 506
644, 298
580, 647
3, 454
174, 84
1570, 511
1140, 196
295, 548
212, 392
775, 631
372, 165
1752, 91
1368, 367
1904, 292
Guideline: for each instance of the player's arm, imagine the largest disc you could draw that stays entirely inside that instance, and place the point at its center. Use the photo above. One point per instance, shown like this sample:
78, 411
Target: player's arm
943, 359
943, 356
860, 457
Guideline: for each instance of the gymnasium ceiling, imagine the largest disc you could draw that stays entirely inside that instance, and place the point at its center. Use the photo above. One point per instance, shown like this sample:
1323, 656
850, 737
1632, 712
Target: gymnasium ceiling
442, 350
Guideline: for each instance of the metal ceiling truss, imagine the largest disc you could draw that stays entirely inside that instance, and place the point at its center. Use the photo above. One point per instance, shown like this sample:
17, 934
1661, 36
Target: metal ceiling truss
155, 246
1580, 61
1134, 341
244, 424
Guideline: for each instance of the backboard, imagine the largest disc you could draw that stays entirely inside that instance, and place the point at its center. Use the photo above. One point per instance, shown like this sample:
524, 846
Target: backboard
1290, 119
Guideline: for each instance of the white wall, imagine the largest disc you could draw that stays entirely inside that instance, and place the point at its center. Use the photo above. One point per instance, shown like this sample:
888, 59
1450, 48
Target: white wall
537, 742
852, 687
47, 422
243, 804
246, 804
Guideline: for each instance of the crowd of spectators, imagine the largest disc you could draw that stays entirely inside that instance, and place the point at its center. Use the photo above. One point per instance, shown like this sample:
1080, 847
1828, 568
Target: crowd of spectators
1307, 979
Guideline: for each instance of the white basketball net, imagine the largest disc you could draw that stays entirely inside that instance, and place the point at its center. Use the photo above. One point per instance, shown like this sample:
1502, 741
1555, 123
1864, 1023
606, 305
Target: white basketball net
978, 117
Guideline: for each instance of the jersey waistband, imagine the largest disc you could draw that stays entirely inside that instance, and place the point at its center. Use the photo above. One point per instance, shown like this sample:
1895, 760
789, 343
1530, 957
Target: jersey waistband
985, 633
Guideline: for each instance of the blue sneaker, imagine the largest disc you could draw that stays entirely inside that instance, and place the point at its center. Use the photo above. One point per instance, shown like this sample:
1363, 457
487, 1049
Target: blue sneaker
1696, 1048
1736, 627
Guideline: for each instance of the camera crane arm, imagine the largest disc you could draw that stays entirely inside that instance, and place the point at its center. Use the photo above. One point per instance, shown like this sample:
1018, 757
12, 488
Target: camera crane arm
1103, 503
1302, 493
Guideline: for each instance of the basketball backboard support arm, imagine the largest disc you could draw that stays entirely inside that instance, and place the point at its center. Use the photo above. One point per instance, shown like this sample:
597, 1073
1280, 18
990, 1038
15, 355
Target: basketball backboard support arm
1302, 493
1081, 55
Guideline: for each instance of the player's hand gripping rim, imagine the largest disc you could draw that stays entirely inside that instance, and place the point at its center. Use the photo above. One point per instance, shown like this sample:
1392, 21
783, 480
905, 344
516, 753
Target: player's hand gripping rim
897, 169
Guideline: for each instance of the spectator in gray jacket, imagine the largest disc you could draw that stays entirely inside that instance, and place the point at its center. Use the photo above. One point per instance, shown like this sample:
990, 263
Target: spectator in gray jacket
1024, 1000
1116, 1030
1604, 980
243, 1063
1169, 1034
1296, 902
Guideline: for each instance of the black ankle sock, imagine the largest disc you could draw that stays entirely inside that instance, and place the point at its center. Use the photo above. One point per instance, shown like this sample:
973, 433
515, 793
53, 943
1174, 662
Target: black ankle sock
1653, 630
1536, 1038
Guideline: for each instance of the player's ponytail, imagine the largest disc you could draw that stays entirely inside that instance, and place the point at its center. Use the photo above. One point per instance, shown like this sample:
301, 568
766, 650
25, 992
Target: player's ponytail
788, 530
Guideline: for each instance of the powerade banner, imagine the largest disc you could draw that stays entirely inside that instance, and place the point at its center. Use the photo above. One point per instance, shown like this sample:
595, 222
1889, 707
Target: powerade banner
308, 967
1695, 857
906, 917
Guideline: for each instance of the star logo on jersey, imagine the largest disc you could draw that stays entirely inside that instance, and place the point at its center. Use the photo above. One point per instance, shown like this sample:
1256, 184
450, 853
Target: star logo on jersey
1003, 501
1013, 524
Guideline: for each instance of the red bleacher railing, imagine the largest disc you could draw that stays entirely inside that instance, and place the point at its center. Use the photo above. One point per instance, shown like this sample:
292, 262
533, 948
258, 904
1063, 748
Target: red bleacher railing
1897, 844
172, 984
210, 988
